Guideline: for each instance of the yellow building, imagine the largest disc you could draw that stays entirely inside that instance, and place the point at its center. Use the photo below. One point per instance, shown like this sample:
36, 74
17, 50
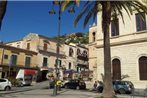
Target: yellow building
12, 59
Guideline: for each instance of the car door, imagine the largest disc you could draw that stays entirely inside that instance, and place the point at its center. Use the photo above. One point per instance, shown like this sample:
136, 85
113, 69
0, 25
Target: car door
2, 84
70, 84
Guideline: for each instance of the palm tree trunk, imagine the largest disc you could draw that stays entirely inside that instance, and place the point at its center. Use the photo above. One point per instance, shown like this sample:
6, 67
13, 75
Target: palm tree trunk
3, 5
108, 91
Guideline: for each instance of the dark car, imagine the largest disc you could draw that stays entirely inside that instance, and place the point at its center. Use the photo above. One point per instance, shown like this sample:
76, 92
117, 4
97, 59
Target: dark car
75, 84
122, 87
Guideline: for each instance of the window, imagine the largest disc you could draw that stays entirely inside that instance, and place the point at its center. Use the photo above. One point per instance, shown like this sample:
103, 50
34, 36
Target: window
59, 62
114, 27
70, 52
5, 56
28, 46
140, 22
78, 51
27, 61
2, 80
85, 53
45, 61
143, 68
69, 66
13, 60
18, 46
45, 46
116, 69
93, 36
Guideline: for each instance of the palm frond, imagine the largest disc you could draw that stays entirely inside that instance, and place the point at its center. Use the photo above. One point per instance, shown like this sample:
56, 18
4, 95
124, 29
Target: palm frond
66, 4
126, 6
119, 9
93, 12
98, 6
141, 6
83, 12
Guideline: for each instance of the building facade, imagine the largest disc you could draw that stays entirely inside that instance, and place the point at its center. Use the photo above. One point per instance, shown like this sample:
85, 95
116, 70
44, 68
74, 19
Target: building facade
12, 59
128, 49
76, 61
46, 49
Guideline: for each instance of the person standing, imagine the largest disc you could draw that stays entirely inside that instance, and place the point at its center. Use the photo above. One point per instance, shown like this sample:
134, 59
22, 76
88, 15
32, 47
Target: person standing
95, 85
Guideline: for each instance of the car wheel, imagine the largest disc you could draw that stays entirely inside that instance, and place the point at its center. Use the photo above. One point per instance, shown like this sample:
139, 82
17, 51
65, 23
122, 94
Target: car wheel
77, 87
7, 88
122, 91
21, 84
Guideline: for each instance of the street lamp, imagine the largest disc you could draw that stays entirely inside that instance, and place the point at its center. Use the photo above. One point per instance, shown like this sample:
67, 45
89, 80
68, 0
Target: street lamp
58, 43
71, 10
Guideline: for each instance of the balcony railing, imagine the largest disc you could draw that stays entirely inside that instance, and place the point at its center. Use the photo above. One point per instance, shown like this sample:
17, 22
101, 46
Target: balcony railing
19, 64
50, 50
81, 57
81, 62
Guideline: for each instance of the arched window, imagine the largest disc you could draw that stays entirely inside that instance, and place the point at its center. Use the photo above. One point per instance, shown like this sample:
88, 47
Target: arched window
143, 68
116, 69
85, 53
78, 51
93, 35
70, 52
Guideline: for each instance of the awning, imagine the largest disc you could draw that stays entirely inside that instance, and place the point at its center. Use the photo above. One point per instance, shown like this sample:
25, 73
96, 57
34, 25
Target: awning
29, 72
69, 71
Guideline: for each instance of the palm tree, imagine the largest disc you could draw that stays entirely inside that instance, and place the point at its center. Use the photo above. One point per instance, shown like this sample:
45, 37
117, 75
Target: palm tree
109, 9
3, 5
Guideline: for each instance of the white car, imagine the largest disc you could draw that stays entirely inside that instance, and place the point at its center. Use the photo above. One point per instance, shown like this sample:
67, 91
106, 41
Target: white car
5, 84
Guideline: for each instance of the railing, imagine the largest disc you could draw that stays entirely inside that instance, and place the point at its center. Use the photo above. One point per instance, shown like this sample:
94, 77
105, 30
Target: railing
50, 50
19, 64
82, 62
81, 57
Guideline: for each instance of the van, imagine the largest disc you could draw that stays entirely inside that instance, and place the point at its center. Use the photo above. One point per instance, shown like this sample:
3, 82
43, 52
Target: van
25, 76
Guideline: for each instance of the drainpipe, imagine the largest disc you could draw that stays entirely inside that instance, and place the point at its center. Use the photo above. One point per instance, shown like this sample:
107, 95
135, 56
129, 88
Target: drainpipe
2, 56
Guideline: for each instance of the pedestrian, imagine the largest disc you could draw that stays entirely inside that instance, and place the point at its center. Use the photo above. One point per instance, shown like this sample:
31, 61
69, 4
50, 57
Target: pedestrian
95, 85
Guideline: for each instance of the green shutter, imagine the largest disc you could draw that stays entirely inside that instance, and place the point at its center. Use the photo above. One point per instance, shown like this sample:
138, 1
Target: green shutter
14, 59
27, 61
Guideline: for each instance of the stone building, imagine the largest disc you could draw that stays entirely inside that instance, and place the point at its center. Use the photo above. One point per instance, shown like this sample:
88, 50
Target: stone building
128, 49
76, 61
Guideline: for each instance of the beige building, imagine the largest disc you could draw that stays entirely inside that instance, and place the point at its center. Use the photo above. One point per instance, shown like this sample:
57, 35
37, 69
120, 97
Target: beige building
12, 59
128, 49
46, 49
76, 61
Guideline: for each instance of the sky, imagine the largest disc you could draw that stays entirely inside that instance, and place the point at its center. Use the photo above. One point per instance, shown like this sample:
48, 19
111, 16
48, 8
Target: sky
24, 17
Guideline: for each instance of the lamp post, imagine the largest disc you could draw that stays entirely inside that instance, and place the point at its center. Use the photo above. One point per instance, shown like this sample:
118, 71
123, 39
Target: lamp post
58, 44
58, 40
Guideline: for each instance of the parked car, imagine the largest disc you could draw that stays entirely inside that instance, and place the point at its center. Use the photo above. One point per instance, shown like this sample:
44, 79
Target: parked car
5, 84
63, 82
75, 84
122, 87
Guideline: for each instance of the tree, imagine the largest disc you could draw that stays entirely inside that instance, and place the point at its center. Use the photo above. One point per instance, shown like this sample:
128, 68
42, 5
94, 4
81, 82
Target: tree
3, 5
109, 10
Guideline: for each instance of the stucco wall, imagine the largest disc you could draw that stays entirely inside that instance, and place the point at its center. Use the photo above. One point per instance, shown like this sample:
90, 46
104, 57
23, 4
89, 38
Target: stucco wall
128, 55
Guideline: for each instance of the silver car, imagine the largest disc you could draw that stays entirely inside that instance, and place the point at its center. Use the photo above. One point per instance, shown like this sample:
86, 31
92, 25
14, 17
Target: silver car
5, 84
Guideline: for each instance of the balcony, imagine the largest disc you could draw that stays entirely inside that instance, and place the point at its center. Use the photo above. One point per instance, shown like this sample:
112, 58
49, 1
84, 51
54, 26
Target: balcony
82, 57
50, 50
83, 63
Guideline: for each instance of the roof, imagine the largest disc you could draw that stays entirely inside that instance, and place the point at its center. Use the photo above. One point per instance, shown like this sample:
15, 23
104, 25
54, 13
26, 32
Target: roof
15, 49
12, 41
51, 39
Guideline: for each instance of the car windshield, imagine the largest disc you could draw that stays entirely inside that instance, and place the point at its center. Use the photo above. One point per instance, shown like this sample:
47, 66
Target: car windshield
2, 80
